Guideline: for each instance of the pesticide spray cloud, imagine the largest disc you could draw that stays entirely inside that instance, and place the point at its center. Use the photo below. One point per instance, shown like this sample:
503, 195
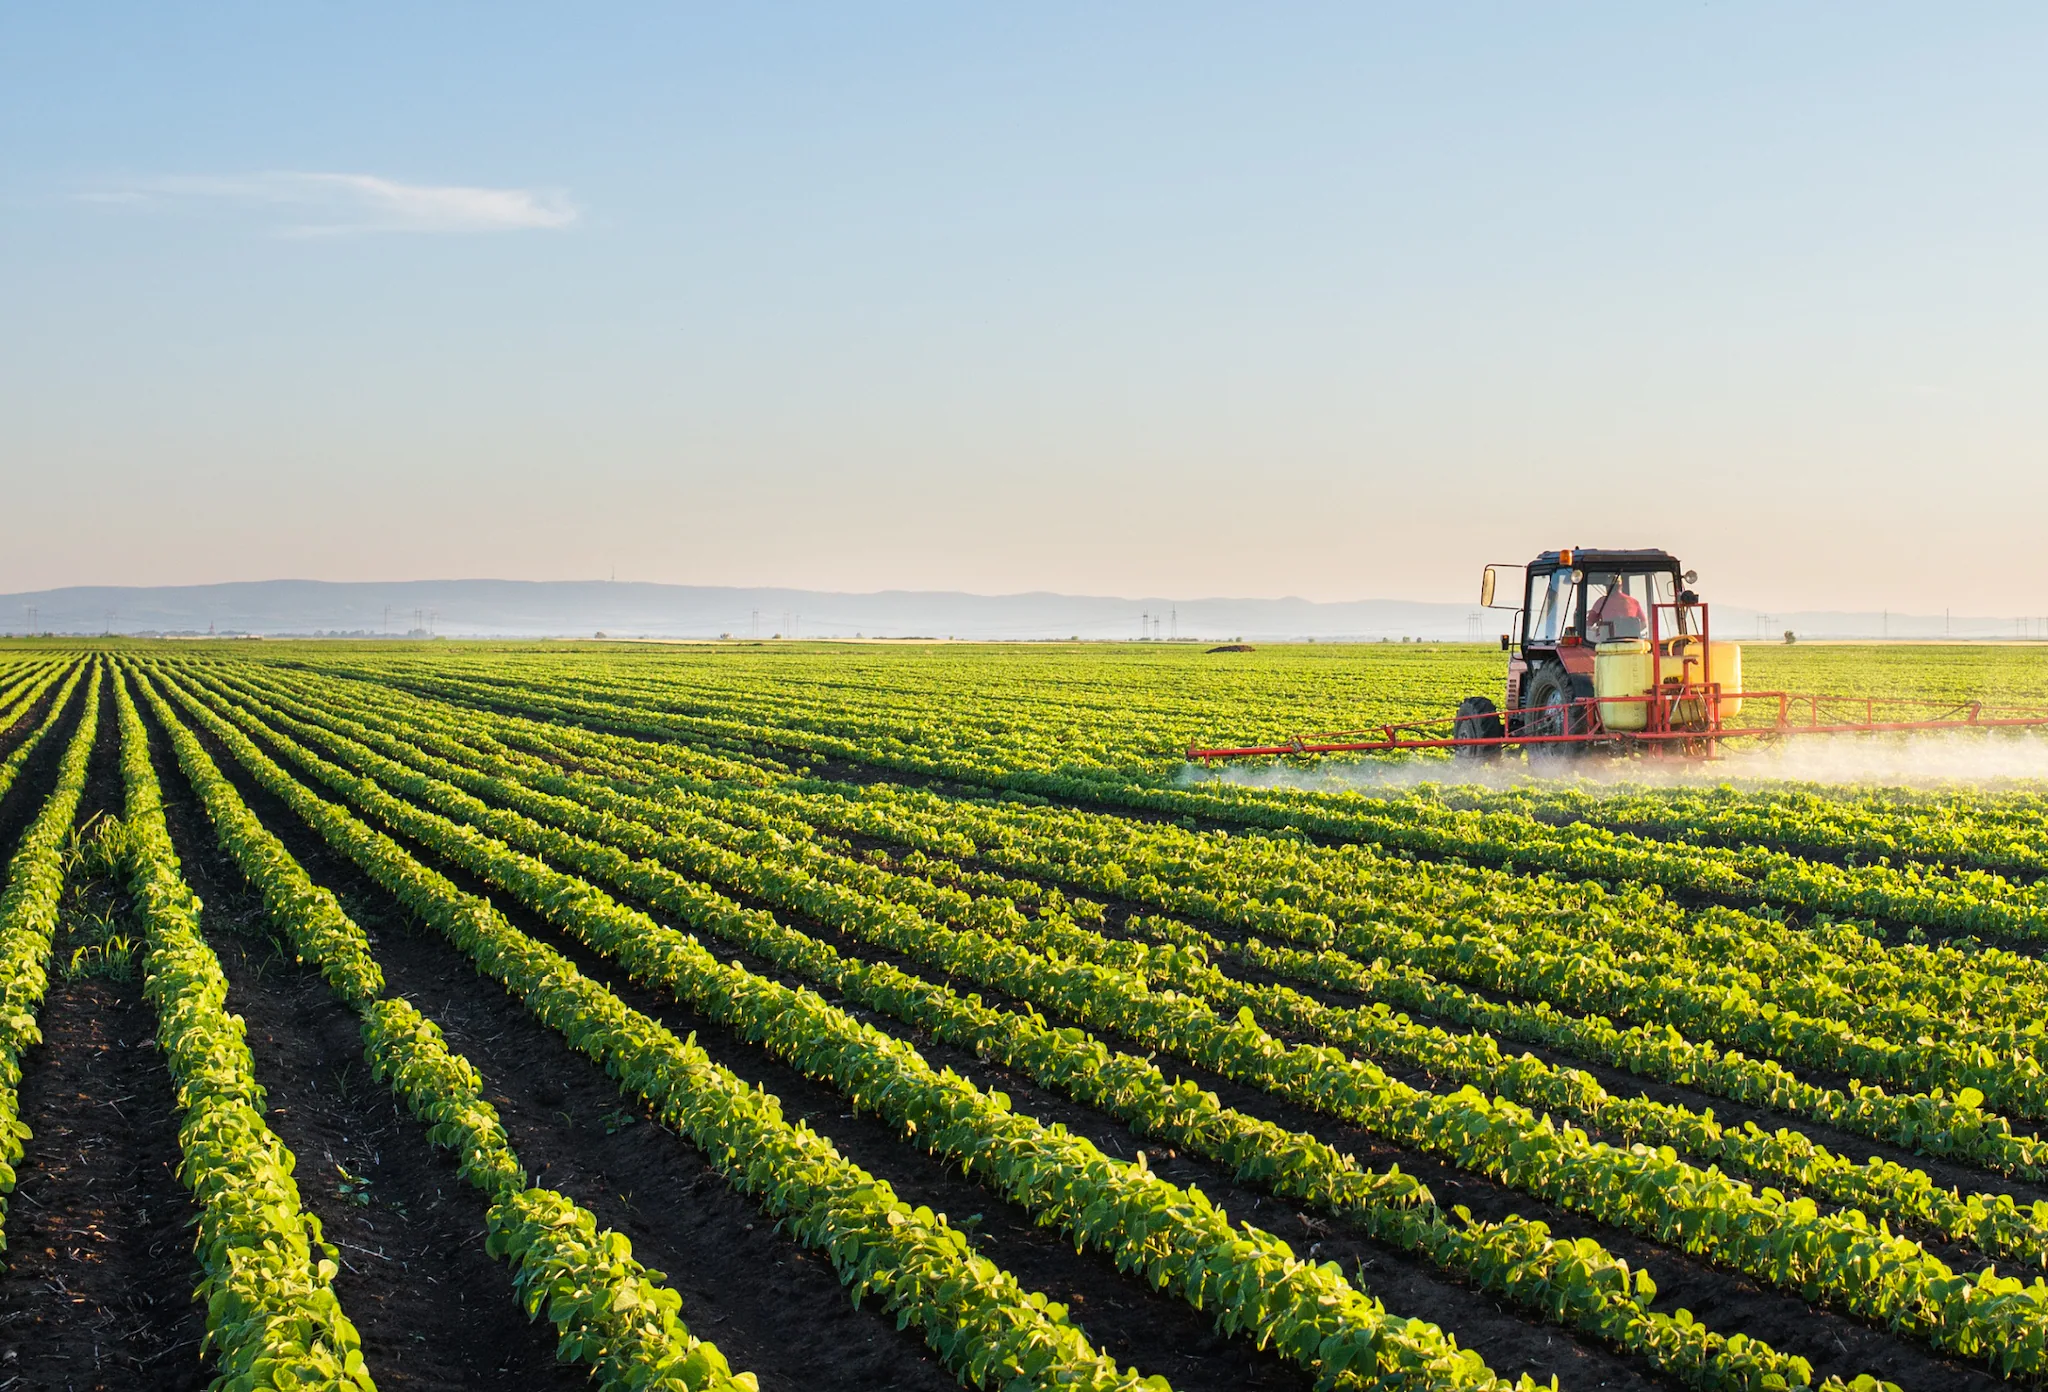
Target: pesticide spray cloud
2016, 760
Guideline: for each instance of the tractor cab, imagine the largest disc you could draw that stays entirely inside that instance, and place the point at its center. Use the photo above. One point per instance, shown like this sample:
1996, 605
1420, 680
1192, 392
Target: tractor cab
1575, 604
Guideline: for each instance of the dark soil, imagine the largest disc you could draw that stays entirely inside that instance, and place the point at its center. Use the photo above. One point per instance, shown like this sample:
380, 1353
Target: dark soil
98, 1288
1723, 1299
411, 1235
1510, 1342
98, 1291
1138, 1326
773, 1306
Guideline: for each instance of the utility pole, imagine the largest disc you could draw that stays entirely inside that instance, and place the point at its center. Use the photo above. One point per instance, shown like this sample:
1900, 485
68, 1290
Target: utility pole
385, 632
433, 617
1175, 611
757, 625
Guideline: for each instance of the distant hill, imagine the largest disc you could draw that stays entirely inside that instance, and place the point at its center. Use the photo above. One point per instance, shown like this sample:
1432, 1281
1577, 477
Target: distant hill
581, 608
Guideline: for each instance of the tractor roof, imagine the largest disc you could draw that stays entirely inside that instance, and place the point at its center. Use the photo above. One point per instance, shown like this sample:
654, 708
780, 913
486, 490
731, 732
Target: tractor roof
1593, 558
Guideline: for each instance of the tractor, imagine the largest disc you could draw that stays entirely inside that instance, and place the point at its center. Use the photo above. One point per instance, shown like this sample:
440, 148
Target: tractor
1602, 643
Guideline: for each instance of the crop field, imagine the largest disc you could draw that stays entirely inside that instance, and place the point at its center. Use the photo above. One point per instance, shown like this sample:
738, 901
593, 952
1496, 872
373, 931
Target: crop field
830, 1017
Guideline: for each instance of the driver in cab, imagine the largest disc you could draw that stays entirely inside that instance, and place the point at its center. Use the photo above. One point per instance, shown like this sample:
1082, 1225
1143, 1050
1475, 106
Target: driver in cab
1613, 605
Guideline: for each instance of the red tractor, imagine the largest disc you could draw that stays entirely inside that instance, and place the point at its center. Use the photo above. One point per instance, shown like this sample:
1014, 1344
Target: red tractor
1592, 636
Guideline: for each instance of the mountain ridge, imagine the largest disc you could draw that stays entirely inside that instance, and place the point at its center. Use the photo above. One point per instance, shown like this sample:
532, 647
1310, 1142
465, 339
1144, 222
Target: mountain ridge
481, 608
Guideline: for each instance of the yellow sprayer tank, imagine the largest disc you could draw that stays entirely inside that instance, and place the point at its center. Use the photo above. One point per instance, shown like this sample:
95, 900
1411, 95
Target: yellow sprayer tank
1622, 668
1684, 657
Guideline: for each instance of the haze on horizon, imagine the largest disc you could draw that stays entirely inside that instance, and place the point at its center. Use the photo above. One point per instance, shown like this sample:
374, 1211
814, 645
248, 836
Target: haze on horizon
1331, 301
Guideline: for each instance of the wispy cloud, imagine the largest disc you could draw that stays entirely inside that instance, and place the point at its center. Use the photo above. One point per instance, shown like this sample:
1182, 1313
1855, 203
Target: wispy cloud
322, 204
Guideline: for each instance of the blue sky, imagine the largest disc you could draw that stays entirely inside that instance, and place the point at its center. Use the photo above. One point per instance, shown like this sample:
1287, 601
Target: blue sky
1339, 302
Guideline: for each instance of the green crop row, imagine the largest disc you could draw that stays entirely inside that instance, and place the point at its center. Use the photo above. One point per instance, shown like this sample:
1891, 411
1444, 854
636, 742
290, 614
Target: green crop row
26, 682
1173, 1235
1834, 973
973, 1313
1949, 901
1803, 818
1970, 901
26, 685
1789, 1242
10, 767
1936, 1121
1994, 1223
609, 1311
272, 1319
28, 919
1577, 1283
1522, 957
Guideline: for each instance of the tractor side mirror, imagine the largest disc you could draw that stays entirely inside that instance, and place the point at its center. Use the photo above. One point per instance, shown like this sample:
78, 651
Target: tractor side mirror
1486, 588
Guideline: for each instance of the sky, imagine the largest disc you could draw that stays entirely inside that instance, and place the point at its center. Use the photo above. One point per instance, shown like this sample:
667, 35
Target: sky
1341, 302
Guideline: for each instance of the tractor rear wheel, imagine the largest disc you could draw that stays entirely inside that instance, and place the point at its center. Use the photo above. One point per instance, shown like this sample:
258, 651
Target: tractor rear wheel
1478, 718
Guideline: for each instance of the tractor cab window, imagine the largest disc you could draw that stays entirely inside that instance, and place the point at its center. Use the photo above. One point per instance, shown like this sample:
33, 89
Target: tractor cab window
1553, 606
1618, 605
